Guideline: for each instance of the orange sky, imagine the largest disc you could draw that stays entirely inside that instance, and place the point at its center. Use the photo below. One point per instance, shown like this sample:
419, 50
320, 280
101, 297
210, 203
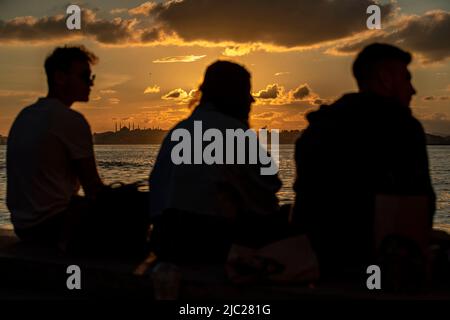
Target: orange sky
152, 55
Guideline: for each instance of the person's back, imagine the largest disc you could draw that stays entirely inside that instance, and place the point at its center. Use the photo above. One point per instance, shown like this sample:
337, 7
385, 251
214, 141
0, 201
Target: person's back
363, 145
359, 147
43, 141
217, 189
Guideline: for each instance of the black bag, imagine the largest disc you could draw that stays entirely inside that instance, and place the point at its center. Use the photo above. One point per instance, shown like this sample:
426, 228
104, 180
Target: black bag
117, 223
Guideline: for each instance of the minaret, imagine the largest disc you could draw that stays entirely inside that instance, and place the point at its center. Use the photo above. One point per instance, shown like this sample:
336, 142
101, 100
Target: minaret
115, 130
133, 126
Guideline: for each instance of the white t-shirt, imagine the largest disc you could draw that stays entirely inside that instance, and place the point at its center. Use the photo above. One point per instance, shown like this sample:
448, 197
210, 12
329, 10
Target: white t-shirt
43, 141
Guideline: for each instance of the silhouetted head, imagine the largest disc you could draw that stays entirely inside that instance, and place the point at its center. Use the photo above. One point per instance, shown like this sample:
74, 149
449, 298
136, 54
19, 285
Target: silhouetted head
383, 69
227, 85
68, 72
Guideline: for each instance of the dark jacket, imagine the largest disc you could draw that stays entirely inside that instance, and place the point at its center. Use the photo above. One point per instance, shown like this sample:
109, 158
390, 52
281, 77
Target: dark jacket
359, 146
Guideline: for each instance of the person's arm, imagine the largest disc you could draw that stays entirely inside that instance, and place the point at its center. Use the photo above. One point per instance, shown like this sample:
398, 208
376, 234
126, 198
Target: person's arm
409, 169
86, 170
76, 135
306, 166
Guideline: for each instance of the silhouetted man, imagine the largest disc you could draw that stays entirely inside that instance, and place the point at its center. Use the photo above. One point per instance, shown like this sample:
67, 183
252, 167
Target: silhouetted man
363, 145
50, 154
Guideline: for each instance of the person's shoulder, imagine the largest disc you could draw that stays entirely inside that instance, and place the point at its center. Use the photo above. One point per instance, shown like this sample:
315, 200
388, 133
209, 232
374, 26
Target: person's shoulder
403, 118
75, 114
416, 124
184, 124
168, 139
417, 129
25, 114
29, 108
66, 121
26, 110
74, 117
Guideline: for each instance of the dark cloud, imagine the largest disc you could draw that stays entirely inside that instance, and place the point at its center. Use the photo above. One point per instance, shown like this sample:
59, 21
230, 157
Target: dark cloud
276, 95
176, 94
301, 92
426, 35
54, 28
111, 32
435, 98
150, 35
319, 101
287, 23
272, 91
29, 28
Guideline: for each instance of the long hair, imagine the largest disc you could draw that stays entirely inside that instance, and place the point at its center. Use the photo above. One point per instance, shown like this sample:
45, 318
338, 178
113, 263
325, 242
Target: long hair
227, 85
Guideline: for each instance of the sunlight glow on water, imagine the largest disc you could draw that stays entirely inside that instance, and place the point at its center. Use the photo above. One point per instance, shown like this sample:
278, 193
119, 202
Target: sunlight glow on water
130, 163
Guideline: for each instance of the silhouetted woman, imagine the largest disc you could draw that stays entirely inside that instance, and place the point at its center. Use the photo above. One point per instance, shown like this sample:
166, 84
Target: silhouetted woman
200, 209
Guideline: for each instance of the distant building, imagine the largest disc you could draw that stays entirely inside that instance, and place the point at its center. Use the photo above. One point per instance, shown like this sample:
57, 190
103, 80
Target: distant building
125, 135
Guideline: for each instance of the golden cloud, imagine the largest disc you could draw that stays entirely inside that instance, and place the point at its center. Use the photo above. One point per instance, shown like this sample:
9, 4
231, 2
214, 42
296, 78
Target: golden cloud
272, 91
181, 96
240, 50
275, 94
189, 58
282, 73
107, 91
20, 93
143, 9
152, 89
176, 94
114, 100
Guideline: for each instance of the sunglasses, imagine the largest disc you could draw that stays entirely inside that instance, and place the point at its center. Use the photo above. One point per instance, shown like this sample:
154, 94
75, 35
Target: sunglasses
87, 77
